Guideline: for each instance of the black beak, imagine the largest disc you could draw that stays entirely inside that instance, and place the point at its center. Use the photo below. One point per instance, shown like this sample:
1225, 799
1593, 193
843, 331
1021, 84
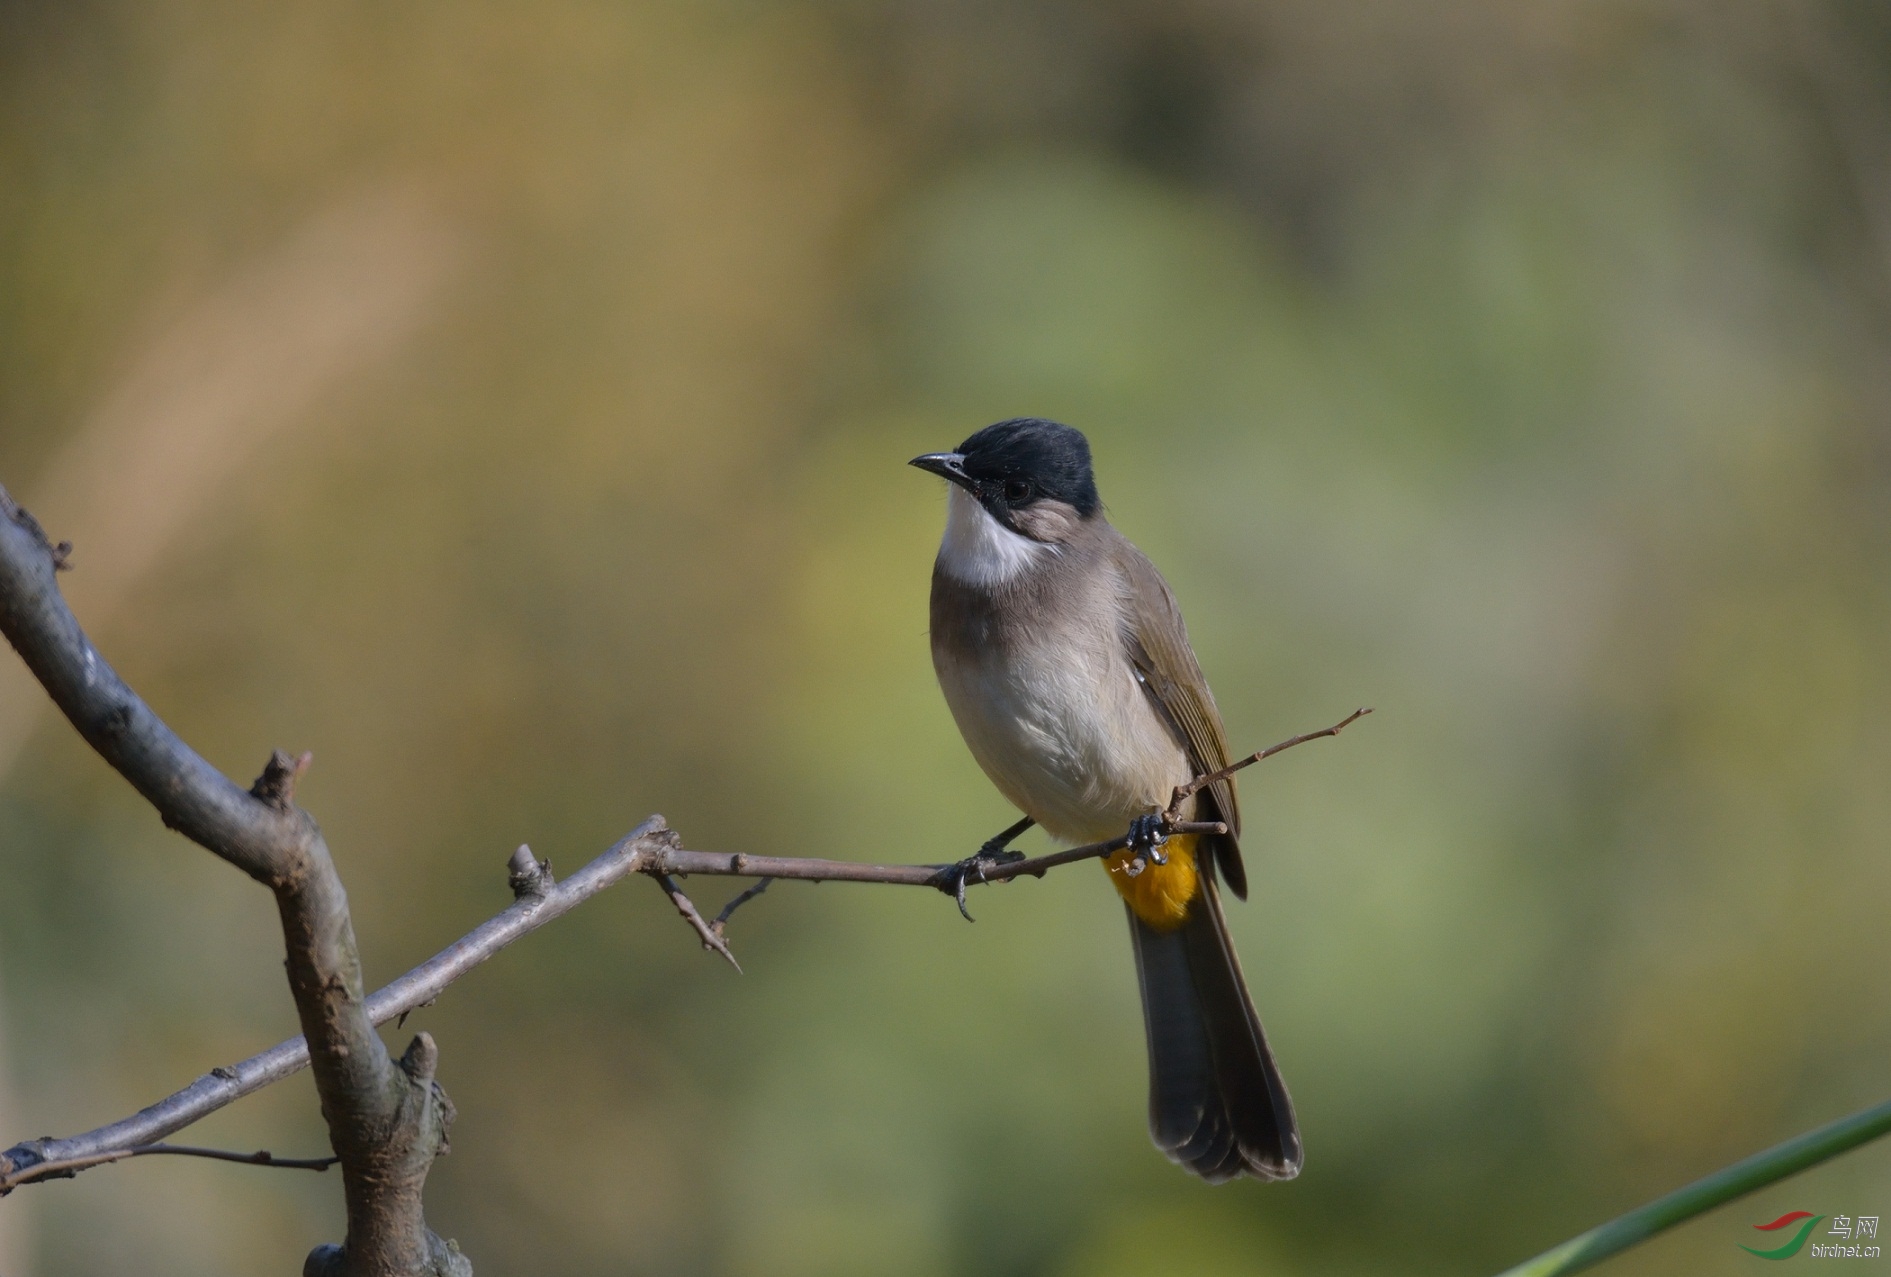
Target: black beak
947, 465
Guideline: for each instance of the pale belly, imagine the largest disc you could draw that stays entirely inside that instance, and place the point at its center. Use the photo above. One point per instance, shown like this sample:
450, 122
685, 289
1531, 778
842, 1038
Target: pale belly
1067, 735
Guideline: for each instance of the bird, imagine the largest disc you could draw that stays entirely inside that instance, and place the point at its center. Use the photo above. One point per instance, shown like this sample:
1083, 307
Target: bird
1064, 661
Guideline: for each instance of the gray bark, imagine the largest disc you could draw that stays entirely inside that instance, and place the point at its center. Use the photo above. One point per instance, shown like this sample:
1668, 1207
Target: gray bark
537, 900
387, 1120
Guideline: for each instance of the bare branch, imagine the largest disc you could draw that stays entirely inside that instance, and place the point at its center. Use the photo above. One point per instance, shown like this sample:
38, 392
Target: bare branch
190, 795
67, 1169
276, 786
527, 875
711, 938
672, 859
1184, 792
675, 860
386, 1122
226, 1084
721, 925
666, 862
651, 848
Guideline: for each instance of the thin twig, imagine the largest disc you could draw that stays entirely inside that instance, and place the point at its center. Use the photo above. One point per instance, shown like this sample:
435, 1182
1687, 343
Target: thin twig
952, 879
1036, 866
226, 1084
721, 925
71, 1166
711, 938
1183, 792
676, 860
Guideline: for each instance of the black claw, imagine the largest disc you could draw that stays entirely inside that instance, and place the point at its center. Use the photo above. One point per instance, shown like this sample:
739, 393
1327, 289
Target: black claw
960, 874
1147, 833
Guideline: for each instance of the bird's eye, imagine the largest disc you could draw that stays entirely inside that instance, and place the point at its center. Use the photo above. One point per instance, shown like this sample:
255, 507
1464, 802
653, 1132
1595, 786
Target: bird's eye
1017, 491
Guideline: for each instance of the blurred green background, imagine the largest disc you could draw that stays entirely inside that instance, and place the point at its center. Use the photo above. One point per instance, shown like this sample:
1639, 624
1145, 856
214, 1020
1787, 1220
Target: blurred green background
510, 404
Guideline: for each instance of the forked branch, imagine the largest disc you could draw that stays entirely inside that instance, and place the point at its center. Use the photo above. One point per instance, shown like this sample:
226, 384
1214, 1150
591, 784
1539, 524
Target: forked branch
386, 1120
538, 900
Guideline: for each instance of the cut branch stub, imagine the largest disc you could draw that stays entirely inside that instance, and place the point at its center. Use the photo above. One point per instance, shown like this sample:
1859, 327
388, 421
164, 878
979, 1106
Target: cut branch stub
276, 786
395, 1158
528, 876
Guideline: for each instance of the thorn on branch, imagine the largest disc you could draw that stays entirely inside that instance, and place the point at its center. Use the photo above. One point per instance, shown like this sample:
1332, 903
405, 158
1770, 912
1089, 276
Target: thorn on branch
421, 1059
528, 876
401, 1023
59, 553
711, 938
276, 786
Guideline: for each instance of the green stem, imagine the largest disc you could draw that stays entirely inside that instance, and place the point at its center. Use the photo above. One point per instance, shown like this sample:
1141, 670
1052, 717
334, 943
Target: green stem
1722, 1186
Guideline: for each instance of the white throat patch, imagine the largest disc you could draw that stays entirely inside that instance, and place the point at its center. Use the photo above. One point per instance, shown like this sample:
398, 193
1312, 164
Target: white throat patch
979, 550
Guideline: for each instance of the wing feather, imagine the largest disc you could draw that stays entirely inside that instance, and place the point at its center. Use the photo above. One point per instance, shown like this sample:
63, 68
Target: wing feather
1165, 664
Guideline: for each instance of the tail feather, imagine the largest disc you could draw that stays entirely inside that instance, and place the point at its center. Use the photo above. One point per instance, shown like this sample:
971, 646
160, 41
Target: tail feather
1217, 1104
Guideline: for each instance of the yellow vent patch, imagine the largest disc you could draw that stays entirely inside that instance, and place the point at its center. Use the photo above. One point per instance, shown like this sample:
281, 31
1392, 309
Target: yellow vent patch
1160, 894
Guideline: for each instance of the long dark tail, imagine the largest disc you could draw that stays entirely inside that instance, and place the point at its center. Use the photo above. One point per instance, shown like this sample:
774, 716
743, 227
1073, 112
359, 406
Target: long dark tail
1216, 1101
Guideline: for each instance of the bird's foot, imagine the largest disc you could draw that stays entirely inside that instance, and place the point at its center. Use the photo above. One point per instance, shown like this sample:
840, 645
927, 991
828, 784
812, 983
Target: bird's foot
972, 869
1147, 833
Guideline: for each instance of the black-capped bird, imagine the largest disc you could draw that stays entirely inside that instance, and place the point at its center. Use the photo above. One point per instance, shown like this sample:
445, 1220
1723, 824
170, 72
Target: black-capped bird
1063, 657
